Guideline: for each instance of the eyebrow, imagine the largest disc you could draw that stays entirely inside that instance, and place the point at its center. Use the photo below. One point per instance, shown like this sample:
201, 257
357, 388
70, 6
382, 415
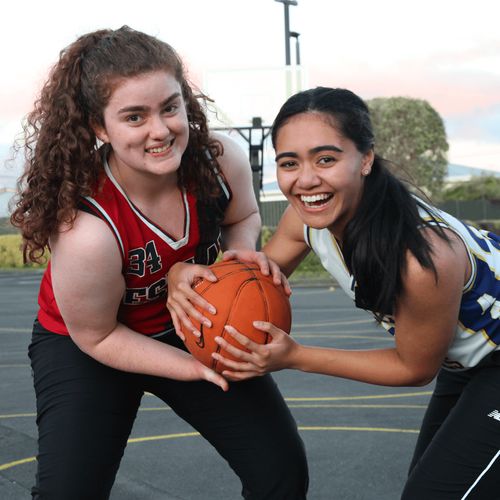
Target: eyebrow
131, 109
317, 149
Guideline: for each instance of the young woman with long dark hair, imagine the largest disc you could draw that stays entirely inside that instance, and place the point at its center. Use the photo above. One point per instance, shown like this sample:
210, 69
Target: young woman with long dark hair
430, 279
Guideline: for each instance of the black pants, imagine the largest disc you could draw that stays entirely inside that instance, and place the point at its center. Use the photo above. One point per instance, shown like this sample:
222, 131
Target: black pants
457, 455
85, 412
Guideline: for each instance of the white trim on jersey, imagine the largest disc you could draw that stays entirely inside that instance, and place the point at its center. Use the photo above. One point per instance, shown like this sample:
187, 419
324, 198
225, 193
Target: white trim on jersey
219, 177
109, 220
223, 186
175, 245
472, 278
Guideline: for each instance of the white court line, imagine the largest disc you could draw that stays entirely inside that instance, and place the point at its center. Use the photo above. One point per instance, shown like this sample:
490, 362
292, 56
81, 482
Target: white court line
336, 323
15, 330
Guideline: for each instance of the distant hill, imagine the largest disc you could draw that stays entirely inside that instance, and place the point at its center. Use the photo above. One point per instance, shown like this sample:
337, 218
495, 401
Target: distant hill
461, 171
455, 172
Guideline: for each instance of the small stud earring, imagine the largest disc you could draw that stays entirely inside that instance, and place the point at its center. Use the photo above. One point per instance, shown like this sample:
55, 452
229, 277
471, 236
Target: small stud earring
365, 171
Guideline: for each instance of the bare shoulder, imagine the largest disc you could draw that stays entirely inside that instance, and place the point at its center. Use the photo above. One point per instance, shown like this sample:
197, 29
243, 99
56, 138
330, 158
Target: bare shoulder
87, 237
87, 245
449, 256
450, 261
234, 159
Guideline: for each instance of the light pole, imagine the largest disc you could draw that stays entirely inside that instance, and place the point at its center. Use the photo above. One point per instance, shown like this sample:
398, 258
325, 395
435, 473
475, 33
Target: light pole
294, 34
286, 4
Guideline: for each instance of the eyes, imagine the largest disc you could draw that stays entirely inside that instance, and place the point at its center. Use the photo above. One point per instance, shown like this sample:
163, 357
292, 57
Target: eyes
133, 118
326, 161
323, 161
137, 118
170, 109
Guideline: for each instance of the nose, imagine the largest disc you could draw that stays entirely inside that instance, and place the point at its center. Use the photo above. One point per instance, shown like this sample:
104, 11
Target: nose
308, 177
159, 127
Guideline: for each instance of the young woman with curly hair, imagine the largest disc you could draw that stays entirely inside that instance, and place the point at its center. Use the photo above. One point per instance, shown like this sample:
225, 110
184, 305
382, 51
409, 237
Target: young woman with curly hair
123, 179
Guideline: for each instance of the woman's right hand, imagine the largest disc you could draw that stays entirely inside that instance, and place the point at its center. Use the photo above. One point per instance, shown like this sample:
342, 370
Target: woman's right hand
267, 266
205, 373
257, 359
182, 299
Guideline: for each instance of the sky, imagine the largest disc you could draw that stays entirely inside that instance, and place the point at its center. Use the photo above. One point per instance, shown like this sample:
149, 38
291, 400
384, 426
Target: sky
444, 51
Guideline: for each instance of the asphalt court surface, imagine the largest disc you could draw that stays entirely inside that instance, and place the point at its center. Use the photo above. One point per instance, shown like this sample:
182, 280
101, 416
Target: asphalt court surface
359, 438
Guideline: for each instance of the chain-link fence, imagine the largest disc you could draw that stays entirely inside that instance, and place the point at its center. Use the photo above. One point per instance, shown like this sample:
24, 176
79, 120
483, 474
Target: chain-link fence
474, 211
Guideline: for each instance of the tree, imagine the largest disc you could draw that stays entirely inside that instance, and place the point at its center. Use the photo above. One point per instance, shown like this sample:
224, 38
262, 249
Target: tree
477, 188
411, 135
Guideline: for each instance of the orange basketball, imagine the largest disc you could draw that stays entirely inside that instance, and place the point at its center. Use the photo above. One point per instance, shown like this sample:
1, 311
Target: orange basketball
241, 295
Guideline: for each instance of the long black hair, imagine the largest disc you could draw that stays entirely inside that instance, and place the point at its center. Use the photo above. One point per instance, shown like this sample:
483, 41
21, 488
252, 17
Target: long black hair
387, 222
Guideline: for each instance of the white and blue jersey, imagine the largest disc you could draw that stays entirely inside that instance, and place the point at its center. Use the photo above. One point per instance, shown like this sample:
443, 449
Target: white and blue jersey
478, 327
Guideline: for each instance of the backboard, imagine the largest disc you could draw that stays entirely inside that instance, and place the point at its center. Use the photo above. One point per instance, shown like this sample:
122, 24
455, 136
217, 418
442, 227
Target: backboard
243, 93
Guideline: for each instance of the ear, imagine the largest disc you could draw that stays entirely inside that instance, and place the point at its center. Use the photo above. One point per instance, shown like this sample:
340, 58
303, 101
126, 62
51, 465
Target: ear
367, 162
100, 132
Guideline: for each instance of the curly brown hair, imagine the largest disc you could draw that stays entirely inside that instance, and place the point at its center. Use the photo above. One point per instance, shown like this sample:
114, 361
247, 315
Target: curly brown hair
62, 161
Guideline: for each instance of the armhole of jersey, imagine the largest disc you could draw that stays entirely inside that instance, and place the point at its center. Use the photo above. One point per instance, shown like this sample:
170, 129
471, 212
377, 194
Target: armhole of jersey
434, 219
220, 178
307, 236
473, 267
90, 206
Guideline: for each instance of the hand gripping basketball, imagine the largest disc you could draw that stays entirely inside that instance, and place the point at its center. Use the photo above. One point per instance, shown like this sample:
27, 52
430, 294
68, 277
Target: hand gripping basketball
241, 295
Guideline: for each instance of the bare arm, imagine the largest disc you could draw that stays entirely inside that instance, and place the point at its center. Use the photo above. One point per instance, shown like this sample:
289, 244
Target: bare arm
242, 223
287, 246
283, 252
88, 286
426, 318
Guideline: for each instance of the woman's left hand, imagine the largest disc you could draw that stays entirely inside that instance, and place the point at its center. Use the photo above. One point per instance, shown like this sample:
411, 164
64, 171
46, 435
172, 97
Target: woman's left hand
182, 298
266, 265
262, 358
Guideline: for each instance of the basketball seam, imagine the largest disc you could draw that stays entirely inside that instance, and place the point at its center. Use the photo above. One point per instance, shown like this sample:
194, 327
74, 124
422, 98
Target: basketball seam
266, 305
223, 333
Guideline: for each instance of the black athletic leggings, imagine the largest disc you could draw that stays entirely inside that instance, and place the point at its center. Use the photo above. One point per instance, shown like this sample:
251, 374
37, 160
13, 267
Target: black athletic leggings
457, 456
85, 412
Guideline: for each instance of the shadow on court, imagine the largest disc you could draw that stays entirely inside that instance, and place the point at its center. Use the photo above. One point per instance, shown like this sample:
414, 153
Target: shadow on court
359, 438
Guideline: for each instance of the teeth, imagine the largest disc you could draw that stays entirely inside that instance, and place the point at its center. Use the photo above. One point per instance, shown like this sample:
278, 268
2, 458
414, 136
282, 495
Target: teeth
314, 197
161, 149
158, 150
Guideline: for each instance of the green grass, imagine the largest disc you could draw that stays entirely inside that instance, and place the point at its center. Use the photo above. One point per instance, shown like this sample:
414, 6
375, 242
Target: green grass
11, 256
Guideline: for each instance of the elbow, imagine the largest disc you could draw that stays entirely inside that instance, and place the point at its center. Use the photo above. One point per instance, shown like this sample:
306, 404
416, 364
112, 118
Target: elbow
84, 342
255, 219
420, 378
421, 382
88, 342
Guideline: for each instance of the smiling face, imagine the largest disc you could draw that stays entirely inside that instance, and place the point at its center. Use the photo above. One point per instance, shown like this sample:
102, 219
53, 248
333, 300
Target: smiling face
320, 171
146, 124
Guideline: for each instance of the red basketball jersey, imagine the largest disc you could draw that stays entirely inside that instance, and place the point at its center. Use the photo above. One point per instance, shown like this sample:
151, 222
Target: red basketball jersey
147, 253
